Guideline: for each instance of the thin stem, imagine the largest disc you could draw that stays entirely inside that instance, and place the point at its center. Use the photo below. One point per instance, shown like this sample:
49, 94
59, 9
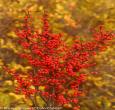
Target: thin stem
33, 102
44, 99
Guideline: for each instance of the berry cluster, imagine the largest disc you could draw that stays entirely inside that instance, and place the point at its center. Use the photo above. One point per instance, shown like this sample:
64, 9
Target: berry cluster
55, 67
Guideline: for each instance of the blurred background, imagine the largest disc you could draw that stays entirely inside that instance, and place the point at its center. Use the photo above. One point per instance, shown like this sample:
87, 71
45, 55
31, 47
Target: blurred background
72, 18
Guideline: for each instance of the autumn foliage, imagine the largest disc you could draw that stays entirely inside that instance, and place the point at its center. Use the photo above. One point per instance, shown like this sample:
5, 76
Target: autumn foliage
55, 66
